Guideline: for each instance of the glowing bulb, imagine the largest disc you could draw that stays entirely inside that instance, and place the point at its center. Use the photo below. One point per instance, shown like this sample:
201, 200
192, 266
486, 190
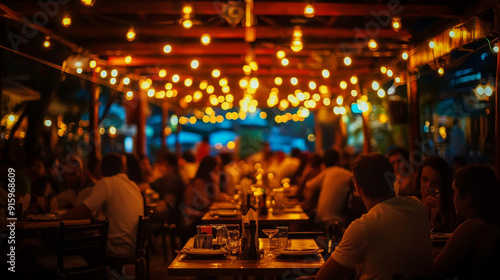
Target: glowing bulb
347, 61
254, 83
46, 43
488, 90
325, 73
404, 55
340, 100
66, 21
432, 44
390, 73
440, 71
253, 65
47, 123
112, 81
92, 64
375, 85
383, 69
280, 54
354, 80
296, 45
354, 93
223, 82
104, 74
215, 73
205, 39
126, 80
195, 64
309, 11
175, 78
343, 85
79, 70
162, 73
396, 24
131, 34
167, 48
372, 45
243, 83
284, 62
294, 81
312, 85
278, 81
114, 73
188, 82
452, 33
187, 9
495, 48
397, 80
187, 23
128, 59
88, 3
381, 93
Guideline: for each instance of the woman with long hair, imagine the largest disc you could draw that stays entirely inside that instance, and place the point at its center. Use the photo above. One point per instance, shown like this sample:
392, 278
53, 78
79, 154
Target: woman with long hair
473, 251
434, 180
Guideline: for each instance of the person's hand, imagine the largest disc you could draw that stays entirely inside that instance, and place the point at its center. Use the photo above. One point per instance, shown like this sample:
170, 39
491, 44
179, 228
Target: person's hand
432, 202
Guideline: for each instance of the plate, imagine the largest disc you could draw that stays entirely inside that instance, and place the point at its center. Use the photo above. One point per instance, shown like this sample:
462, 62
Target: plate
224, 213
299, 252
203, 252
43, 217
224, 205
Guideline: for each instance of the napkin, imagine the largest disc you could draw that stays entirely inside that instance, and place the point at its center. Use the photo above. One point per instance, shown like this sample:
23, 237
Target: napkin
252, 215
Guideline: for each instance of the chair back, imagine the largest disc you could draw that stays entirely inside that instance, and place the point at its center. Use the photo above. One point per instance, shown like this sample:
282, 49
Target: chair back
142, 242
87, 241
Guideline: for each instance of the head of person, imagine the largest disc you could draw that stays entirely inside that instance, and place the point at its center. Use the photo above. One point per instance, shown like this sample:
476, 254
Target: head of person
112, 164
225, 158
400, 161
476, 193
208, 165
71, 172
434, 178
316, 161
171, 162
134, 169
188, 157
371, 173
295, 153
331, 158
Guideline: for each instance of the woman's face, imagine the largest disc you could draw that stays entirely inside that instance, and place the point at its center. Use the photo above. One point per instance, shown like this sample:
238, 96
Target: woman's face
430, 183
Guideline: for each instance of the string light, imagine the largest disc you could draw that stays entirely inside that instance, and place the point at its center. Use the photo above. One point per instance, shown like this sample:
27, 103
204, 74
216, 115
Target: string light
440, 71
452, 33
312, 85
375, 85
167, 48
383, 69
325, 73
92, 64
296, 44
372, 45
381, 93
215, 73
205, 39
88, 3
175, 78
126, 80
495, 48
162, 73
195, 64
46, 43
432, 44
390, 73
294, 81
309, 11
66, 21
347, 61
104, 74
396, 24
354, 80
280, 54
284, 62
343, 84
131, 34
187, 11
188, 82
128, 59
187, 23
278, 81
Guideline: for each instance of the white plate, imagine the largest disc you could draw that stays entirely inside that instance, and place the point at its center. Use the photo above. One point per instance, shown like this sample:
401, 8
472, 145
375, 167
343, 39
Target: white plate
224, 205
43, 217
203, 252
224, 213
299, 252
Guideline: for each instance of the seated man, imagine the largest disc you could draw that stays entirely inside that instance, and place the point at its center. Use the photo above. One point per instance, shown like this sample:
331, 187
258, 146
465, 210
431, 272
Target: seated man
120, 200
391, 240
76, 186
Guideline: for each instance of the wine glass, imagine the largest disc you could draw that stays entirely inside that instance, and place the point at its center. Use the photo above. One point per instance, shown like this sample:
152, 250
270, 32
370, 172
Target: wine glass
219, 228
270, 233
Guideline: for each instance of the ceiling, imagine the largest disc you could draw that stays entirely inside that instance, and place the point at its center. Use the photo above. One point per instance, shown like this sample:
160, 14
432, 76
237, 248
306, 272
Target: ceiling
338, 29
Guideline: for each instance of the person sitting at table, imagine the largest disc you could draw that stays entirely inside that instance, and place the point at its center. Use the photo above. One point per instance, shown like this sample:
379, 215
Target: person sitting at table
170, 187
473, 250
289, 165
434, 180
404, 184
391, 240
76, 186
334, 186
312, 169
120, 200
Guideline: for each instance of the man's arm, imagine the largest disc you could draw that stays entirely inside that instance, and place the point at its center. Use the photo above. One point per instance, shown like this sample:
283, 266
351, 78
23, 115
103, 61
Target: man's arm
79, 212
333, 270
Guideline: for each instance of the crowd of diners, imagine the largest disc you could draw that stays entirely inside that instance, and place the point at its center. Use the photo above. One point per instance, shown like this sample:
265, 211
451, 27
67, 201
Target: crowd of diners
403, 203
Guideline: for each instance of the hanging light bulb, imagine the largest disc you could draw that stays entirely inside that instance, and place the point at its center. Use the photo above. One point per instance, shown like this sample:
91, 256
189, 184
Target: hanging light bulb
285, 61
66, 21
375, 85
187, 11
194, 64
167, 48
354, 80
396, 24
372, 45
440, 71
347, 61
215, 73
46, 43
452, 33
495, 48
278, 81
128, 59
325, 73
296, 44
280, 54
343, 84
294, 81
88, 3
432, 44
404, 55
205, 39
131, 34
309, 11
383, 69
390, 73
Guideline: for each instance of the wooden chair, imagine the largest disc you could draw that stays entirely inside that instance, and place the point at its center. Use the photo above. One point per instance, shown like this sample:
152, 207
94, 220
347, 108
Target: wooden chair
141, 258
80, 251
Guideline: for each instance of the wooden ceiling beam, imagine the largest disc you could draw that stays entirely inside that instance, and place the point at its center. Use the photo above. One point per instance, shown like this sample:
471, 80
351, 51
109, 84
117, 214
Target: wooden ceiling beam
260, 8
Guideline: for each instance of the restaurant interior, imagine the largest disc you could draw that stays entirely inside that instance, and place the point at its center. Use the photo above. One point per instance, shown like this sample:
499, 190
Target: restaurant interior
254, 93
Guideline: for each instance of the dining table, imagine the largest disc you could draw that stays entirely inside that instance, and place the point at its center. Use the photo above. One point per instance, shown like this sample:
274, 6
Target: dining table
277, 266
37, 224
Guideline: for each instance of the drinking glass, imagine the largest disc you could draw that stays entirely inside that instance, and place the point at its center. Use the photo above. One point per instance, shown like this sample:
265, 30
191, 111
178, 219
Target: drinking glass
219, 235
270, 233
233, 243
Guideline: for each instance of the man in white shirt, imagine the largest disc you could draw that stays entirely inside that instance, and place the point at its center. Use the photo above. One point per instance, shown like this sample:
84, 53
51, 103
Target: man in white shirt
392, 240
119, 200
334, 185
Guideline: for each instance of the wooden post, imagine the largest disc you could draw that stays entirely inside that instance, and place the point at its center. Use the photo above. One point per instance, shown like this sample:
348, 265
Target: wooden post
318, 144
140, 138
164, 123
414, 116
497, 120
95, 136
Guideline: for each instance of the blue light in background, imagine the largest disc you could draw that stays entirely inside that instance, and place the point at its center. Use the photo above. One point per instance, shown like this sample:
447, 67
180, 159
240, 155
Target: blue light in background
128, 144
355, 108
